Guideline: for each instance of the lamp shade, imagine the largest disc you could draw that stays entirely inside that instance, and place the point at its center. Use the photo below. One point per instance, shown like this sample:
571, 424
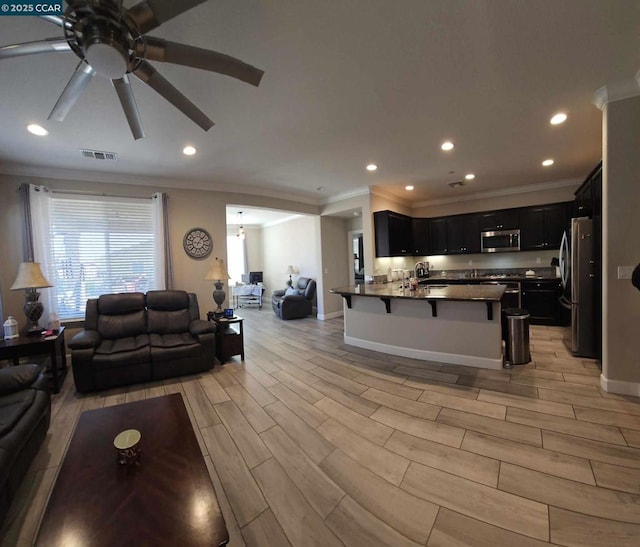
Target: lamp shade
291, 270
30, 276
217, 271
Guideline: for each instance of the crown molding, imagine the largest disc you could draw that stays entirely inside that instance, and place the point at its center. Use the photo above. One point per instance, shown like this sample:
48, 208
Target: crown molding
155, 181
617, 91
363, 191
503, 192
383, 193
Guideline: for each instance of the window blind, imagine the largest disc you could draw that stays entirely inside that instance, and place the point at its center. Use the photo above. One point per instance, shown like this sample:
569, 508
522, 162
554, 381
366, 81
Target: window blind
99, 245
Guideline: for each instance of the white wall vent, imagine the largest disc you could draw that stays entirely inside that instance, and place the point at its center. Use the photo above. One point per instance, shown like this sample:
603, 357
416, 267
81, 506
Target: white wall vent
98, 155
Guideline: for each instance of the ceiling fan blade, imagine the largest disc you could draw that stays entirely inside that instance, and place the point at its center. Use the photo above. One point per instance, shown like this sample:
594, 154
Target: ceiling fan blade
153, 79
49, 45
158, 49
128, 102
71, 93
150, 14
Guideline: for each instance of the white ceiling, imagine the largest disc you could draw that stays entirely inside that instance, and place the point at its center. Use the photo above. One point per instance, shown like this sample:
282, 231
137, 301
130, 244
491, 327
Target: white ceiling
347, 82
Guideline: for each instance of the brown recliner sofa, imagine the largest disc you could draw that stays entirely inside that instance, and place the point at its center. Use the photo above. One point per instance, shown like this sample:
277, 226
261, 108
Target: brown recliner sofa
25, 413
134, 337
295, 302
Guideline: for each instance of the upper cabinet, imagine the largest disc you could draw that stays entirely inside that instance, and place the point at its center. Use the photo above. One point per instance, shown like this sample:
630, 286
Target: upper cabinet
420, 239
438, 236
542, 227
588, 200
463, 234
392, 233
506, 219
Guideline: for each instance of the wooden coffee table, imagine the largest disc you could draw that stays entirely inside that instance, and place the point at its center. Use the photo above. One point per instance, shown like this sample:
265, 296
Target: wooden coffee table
165, 499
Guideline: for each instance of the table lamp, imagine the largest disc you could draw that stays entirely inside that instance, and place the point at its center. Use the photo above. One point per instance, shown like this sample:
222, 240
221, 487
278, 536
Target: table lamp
290, 270
217, 273
30, 278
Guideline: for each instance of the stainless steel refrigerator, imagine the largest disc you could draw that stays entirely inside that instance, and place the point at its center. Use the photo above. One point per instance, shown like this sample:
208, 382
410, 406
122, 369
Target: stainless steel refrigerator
577, 270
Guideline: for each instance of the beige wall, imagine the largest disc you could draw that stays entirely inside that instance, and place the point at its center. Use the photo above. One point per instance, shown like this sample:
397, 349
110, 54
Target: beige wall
296, 243
363, 204
621, 228
336, 265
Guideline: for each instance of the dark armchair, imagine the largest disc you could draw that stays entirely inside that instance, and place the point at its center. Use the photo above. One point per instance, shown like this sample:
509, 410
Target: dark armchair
295, 302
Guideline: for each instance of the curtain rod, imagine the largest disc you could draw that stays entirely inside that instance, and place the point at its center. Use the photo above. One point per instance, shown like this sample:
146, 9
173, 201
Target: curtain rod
89, 193
100, 194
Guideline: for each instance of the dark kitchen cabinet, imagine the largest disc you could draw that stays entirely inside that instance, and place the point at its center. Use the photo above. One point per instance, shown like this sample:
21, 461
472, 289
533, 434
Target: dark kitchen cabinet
420, 236
541, 298
392, 234
438, 236
542, 227
463, 234
583, 203
506, 219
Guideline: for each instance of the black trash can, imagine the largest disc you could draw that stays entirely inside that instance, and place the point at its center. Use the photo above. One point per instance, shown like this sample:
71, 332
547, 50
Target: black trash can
516, 330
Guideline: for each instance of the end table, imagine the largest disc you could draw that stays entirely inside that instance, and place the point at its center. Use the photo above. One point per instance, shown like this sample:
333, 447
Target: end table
229, 341
34, 344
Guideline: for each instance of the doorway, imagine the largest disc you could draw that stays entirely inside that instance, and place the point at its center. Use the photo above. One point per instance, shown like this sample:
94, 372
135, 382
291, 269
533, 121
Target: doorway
357, 249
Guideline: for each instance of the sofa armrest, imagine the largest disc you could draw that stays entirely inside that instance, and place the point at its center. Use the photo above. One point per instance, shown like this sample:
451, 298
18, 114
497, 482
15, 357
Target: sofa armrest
17, 378
200, 326
278, 293
85, 339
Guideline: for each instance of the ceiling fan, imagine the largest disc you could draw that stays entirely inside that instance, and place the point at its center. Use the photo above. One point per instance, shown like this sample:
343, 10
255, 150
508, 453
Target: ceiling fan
112, 41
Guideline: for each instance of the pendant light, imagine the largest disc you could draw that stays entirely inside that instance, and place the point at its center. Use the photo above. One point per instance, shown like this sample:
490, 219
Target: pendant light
241, 233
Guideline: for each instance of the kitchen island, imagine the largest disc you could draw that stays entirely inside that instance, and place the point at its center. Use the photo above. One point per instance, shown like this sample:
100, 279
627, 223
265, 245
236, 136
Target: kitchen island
457, 324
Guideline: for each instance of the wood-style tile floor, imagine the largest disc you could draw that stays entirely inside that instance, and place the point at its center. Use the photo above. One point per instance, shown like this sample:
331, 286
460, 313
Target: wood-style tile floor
311, 442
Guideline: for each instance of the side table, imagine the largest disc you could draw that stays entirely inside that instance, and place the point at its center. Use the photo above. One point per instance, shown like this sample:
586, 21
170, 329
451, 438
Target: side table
229, 341
27, 345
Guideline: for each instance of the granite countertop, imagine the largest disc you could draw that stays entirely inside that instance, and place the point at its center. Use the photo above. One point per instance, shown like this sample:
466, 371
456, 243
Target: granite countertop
482, 278
458, 276
479, 293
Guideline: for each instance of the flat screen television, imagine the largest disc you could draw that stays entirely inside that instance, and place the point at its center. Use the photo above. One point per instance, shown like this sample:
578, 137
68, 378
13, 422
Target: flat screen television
255, 277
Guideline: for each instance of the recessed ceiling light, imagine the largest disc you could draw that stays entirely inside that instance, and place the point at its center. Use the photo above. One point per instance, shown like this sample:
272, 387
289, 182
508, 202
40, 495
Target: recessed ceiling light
447, 145
558, 118
37, 129
189, 150
548, 162
372, 167
408, 187
469, 176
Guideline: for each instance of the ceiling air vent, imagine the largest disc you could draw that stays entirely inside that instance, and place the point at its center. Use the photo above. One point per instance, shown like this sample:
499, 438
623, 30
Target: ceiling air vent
456, 183
98, 155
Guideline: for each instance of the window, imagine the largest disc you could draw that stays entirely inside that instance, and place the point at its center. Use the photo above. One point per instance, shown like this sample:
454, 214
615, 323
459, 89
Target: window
235, 259
100, 245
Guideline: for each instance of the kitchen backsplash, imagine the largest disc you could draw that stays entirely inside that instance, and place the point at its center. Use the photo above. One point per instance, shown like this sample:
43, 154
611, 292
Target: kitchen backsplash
495, 261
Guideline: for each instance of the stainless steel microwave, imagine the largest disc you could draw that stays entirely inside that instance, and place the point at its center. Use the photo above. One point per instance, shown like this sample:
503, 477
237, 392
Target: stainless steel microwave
500, 241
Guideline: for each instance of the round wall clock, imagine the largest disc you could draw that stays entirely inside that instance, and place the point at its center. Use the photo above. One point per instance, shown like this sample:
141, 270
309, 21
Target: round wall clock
197, 243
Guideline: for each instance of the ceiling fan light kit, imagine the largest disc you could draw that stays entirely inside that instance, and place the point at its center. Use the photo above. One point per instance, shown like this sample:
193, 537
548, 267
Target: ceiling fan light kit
111, 41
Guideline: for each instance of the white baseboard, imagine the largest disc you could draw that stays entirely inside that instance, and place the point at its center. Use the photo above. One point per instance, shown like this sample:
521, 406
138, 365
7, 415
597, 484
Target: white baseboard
332, 315
620, 387
425, 355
